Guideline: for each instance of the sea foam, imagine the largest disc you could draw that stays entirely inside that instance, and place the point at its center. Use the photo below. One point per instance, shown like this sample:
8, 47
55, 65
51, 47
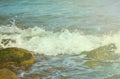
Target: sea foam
53, 43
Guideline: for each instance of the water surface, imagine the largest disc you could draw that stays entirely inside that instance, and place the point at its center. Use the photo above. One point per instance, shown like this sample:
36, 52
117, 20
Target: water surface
62, 27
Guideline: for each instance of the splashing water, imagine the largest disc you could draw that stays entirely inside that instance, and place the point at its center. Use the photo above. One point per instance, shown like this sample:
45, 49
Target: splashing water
53, 43
58, 31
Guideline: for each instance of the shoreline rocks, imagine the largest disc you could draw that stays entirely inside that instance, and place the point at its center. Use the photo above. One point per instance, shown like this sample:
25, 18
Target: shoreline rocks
7, 74
18, 55
14, 59
98, 56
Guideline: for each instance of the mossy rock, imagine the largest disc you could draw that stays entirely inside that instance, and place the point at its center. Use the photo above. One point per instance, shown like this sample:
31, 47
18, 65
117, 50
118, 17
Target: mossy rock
92, 63
15, 56
102, 53
7, 74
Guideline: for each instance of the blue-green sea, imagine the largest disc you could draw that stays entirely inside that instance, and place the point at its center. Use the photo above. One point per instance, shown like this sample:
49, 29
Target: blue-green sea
60, 30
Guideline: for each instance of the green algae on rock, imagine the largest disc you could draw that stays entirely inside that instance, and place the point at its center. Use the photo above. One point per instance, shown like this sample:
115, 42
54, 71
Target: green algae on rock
102, 53
15, 56
99, 55
7, 74
92, 63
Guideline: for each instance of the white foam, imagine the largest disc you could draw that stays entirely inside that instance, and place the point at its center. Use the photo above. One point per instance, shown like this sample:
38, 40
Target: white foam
112, 38
49, 43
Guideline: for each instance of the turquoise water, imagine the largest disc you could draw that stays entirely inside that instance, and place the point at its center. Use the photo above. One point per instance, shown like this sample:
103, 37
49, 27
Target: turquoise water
61, 30
91, 16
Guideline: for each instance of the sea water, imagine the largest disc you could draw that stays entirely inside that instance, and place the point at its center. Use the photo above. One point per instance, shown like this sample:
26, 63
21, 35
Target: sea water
62, 27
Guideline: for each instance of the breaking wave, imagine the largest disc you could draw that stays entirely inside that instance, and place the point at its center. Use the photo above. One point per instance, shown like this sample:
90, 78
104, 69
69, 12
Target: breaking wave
53, 43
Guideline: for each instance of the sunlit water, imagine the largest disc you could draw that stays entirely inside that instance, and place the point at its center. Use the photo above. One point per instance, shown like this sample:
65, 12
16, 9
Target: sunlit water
68, 27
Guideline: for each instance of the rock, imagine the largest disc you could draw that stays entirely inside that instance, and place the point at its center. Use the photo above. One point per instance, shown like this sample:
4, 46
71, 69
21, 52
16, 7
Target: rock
7, 74
23, 27
15, 57
102, 53
116, 76
92, 63
63, 77
5, 42
34, 76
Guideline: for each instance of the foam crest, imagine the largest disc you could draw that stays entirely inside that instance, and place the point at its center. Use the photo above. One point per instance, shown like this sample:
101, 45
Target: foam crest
50, 43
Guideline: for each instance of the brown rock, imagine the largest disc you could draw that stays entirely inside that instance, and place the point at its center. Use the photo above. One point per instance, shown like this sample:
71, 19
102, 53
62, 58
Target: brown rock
34, 76
7, 74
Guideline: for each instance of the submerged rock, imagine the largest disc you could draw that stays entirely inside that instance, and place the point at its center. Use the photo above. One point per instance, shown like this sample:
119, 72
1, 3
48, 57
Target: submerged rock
92, 63
23, 27
102, 53
7, 74
34, 76
63, 77
116, 76
15, 57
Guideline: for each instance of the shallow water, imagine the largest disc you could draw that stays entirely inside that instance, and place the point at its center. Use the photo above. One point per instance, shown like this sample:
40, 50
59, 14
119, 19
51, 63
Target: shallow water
70, 67
61, 30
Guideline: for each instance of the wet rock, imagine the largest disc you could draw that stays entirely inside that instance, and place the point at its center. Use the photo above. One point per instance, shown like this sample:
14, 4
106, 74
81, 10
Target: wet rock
34, 76
117, 76
23, 27
15, 57
92, 63
7, 74
102, 53
63, 77
5, 42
